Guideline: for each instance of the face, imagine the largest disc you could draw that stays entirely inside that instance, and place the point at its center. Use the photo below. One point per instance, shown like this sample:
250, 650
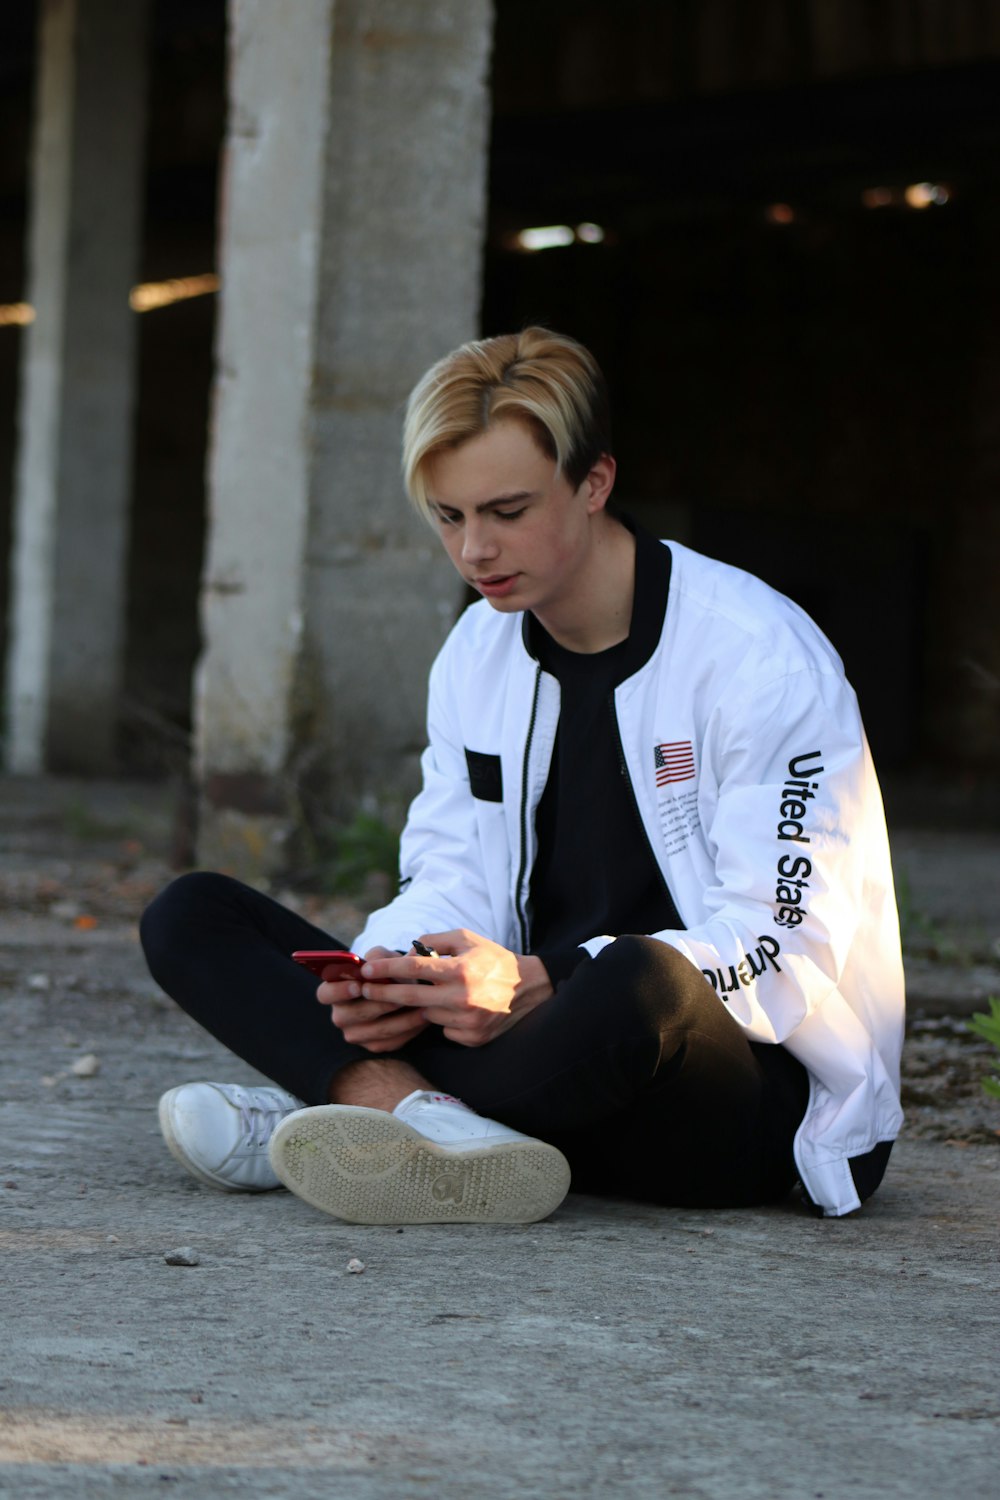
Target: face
514, 527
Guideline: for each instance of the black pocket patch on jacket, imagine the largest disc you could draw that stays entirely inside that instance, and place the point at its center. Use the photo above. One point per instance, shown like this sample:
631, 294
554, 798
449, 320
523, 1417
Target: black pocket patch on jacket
485, 777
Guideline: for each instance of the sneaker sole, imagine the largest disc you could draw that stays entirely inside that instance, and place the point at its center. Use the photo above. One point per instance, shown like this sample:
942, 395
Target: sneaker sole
179, 1154
367, 1167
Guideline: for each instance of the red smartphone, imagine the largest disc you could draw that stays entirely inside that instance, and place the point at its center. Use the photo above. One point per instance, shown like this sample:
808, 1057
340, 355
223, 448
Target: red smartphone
319, 961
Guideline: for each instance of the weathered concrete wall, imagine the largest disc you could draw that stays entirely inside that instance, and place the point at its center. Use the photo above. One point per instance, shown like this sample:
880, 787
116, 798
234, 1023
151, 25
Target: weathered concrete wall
259, 466
404, 213
352, 231
75, 440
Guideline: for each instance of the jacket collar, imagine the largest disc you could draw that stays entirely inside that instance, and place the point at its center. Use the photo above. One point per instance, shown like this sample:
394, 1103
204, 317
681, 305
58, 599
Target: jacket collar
649, 602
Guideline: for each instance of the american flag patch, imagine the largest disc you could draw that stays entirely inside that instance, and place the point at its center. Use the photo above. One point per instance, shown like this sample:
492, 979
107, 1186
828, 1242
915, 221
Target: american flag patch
674, 762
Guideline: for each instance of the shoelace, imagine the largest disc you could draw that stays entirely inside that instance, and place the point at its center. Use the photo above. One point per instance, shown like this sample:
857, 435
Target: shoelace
259, 1121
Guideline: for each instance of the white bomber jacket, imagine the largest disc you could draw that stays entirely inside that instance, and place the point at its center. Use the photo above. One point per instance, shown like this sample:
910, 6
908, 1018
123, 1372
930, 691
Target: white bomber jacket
752, 776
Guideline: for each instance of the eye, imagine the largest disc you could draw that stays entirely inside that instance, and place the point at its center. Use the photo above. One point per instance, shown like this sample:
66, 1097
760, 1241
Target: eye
510, 515
447, 518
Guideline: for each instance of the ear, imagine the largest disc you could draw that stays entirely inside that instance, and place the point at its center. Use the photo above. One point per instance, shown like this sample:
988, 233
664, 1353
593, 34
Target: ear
599, 483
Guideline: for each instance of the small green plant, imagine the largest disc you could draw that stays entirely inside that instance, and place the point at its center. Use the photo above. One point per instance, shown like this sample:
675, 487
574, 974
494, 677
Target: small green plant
988, 1026
919, 933
81, 823
363, 847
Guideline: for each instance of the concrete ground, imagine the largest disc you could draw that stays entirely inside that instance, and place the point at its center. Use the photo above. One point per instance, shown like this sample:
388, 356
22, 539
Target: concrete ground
614, 1349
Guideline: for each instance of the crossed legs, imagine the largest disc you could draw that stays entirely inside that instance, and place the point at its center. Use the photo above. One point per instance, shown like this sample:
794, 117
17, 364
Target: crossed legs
634, 1068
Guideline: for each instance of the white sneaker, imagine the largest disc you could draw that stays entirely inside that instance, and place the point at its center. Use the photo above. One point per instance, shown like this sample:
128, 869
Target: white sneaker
220, 1132
431, 1161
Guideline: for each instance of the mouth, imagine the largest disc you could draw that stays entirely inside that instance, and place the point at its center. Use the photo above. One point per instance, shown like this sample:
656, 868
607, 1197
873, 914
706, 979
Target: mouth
496, 585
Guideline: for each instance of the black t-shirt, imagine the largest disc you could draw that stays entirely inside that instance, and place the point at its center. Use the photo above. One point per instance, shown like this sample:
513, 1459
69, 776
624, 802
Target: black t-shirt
594, 871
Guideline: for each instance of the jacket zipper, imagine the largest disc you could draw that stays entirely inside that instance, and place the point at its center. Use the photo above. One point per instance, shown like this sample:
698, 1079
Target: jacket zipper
522, 919
623, 767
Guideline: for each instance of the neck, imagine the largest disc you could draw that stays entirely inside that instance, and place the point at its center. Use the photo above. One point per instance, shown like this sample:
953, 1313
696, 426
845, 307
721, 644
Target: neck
599, 613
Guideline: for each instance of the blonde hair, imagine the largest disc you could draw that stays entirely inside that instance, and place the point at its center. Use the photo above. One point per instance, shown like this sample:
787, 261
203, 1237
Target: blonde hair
542, 378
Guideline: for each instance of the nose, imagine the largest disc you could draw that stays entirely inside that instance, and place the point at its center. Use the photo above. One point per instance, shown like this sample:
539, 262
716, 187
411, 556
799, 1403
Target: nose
479, 543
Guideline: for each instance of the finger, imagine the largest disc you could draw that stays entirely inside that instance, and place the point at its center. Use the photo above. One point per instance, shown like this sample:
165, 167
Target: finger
479, 1032
406, 968
455, 941
390, 1029
462, 1020
360, 1012
396, 995
366, 1036
441, 968
395, 1044
336, 992
383, 969
463, 1038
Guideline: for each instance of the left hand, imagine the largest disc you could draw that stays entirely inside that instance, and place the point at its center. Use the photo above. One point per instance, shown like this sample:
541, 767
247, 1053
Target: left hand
378, 1026
479, 988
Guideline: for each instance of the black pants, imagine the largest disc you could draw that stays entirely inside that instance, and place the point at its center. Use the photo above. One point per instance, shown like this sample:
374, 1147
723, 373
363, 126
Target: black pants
634, 1067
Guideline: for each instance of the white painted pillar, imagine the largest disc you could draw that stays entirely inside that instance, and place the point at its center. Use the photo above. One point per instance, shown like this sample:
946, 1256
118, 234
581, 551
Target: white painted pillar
74, 457
352, 235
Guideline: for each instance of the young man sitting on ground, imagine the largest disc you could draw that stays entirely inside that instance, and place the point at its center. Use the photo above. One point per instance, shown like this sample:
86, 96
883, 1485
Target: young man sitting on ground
649, 857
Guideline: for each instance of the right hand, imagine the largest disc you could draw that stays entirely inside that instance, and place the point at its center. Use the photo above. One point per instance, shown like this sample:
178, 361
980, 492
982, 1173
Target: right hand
376, 1025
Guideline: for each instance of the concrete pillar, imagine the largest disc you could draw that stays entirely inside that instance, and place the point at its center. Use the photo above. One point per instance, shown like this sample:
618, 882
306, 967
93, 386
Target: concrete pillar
352, 220
75, 434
